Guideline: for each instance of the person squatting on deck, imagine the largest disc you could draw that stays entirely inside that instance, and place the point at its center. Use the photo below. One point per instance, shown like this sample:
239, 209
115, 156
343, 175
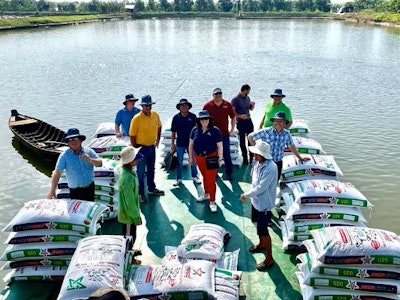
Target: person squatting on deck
263, 195
125, 115
242, 105
78, 163
221, 110
206, 141
145, 132
274, 106
181, 126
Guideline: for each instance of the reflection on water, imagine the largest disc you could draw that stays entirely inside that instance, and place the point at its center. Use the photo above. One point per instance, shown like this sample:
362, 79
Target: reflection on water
43, 166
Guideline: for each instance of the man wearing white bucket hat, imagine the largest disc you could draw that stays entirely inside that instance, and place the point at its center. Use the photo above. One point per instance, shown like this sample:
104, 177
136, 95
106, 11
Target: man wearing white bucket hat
128, 185
262, 194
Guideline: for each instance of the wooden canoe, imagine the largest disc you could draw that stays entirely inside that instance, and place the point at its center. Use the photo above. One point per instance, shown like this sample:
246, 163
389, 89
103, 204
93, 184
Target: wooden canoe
41, 138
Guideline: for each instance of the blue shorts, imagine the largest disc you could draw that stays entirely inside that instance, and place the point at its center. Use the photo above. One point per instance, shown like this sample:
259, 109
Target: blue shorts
263, 218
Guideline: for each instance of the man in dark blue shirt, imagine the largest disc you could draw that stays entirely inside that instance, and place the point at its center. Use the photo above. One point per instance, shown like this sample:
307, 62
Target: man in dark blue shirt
181, 126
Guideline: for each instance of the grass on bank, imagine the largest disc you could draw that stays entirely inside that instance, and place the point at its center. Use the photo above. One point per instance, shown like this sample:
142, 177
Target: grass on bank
380, 17
27, 21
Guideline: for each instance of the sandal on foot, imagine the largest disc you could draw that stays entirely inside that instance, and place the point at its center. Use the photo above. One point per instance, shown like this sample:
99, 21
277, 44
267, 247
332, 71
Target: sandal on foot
256, 249
263, 266
136, 262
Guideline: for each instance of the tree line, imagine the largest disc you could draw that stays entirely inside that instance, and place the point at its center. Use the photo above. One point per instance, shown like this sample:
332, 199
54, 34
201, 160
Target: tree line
260, 6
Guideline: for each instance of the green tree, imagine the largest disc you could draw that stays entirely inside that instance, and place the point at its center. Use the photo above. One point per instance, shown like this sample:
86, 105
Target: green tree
323, 5
251, 5
204, 5
266, 5
152, 5
225, 5
165, 5
139, 5
183, 5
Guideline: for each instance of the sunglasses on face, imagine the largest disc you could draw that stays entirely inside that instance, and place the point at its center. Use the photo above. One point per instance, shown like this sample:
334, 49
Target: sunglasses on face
73, 139
219, 93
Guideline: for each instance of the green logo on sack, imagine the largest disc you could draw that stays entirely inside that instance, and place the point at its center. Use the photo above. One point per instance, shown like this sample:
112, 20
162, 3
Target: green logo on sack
75, 284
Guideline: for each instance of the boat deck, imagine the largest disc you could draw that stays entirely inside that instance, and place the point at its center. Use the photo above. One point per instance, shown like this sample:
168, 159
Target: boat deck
167, 220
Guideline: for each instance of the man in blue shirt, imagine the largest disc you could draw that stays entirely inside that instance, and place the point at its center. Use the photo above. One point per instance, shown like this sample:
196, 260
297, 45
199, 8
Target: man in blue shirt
125, 115
182, 124
78, 163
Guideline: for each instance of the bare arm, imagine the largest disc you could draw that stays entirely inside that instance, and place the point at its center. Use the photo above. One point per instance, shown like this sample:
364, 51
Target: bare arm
233, 123
97, 162
293, 149
190, 150
173, 134
55, 177
117, 131
158, 136
133, 141
251, 140
220, 152
262, 123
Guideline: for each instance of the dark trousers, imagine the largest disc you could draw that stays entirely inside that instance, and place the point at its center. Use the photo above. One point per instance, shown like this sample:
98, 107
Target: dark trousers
83, 193
279, 165
227, 154
244, 127
129, 229
146, 164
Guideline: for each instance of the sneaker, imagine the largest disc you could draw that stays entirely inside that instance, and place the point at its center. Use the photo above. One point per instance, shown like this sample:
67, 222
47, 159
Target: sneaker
213, 207
203, 198
142, 199
177, 182
196, 180
156, 192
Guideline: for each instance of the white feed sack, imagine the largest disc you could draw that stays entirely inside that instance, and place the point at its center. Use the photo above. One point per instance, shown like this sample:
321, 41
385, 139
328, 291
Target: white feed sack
203, 241
76, 215
99, 261
318, 167
193, 275
326, 192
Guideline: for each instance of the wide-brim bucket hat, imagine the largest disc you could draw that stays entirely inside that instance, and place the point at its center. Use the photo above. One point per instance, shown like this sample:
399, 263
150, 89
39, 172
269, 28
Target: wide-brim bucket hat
73, 133
183, 101
280, 115
262, 148
278, 92
146, 100
130, 97
204, 114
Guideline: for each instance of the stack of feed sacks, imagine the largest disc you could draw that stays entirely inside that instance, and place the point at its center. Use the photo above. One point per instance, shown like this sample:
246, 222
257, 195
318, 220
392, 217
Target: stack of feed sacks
194, 268
350, 263
43, 236
318, 203
99, 261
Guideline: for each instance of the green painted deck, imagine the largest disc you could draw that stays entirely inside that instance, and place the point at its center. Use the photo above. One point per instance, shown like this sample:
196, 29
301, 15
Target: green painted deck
167, 220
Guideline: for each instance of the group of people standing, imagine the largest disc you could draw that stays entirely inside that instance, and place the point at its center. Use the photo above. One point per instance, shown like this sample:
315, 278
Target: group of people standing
206, 138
